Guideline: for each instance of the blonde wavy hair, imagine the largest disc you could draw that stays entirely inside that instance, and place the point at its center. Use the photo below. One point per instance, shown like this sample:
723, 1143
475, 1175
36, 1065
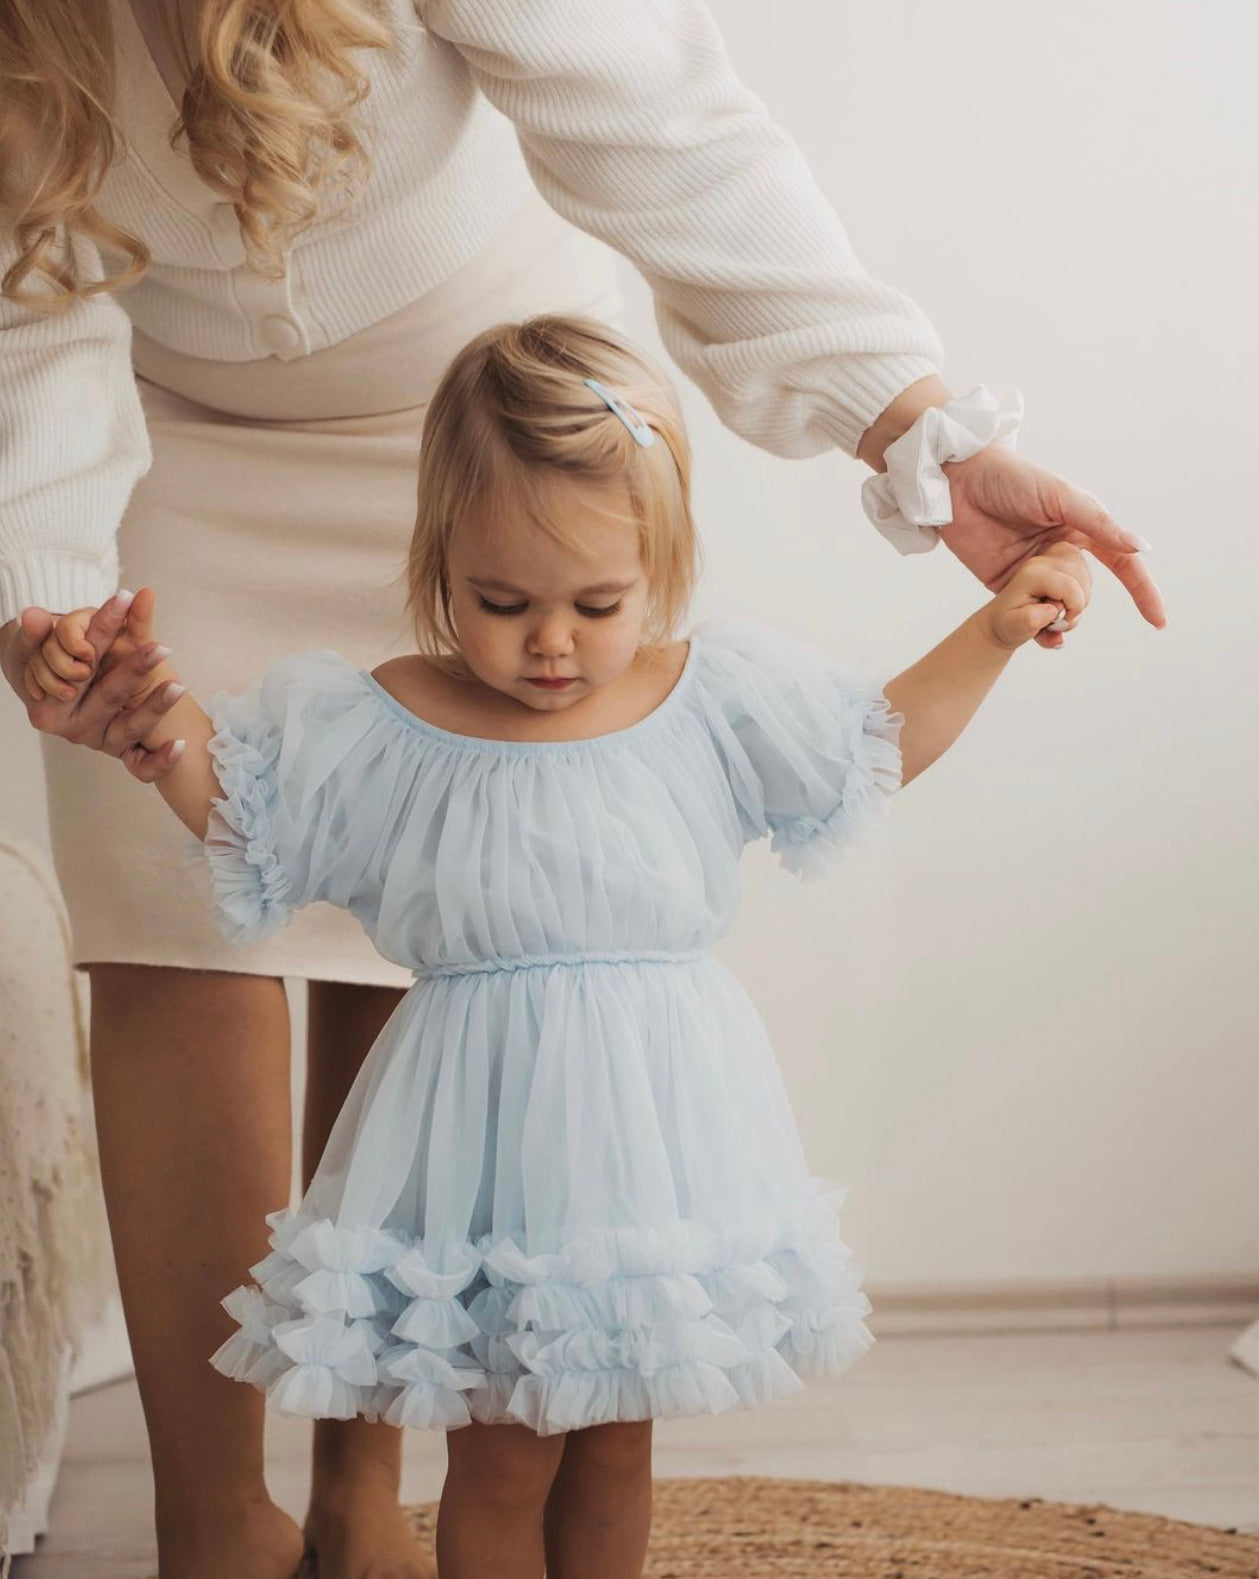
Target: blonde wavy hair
267, 114
512, 413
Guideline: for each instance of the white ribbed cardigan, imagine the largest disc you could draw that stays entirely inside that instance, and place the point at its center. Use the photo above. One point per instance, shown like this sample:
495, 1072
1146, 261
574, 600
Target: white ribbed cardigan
627, 116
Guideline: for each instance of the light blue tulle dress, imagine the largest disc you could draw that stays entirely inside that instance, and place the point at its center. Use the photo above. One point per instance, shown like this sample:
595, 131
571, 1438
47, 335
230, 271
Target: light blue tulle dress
567, 1186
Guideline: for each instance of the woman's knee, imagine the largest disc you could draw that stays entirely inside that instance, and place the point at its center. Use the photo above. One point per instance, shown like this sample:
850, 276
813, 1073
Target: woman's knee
512, 1466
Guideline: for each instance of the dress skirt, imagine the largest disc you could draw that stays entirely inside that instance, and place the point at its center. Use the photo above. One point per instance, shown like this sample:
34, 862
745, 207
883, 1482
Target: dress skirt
275, 518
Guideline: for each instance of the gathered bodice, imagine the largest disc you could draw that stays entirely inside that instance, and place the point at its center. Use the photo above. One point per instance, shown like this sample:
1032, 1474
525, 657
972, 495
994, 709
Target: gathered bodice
510, 852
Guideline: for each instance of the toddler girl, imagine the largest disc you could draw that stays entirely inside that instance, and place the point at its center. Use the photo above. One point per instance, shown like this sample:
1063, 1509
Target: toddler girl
566, 1193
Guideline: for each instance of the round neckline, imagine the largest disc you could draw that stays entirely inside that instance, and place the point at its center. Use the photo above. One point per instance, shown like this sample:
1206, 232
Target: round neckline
493, 743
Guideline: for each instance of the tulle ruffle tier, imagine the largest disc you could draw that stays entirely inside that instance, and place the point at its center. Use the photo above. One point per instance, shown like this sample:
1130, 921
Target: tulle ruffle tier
620, 1324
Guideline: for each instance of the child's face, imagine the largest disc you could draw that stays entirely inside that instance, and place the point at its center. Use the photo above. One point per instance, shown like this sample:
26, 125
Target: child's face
578, 616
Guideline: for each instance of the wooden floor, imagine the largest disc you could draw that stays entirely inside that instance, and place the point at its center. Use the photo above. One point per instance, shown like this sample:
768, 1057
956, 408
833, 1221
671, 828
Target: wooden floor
1160, 1420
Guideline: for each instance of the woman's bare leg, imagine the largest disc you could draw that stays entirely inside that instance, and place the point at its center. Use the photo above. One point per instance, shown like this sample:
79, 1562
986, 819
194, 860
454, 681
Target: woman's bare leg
190, 1075
490, 1518
598, 1516
354, 1521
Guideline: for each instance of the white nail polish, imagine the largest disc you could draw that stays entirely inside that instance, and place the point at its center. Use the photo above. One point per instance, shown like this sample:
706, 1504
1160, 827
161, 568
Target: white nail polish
122, 596
174, 692
177, 750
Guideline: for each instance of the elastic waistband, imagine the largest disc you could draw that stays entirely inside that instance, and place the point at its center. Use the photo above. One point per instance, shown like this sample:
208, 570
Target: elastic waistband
551, 961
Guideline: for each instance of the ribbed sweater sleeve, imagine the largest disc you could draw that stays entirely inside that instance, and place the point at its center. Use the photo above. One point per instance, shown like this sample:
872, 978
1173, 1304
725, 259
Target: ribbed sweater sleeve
636, 129
73, 443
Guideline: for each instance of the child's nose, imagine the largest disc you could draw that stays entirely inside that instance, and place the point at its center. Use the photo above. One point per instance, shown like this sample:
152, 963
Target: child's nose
552, 639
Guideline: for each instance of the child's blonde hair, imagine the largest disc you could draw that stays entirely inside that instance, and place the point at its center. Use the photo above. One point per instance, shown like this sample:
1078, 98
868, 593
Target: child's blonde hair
511, 411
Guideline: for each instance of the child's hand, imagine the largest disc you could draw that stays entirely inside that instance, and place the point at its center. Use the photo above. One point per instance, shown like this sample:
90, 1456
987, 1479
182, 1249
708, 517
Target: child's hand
66, 653
1046, 593
64, 660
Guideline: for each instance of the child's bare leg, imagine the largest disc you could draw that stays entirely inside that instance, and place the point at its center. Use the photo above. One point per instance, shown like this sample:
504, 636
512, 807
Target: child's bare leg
598, 1516
354, 1521
190, 1076
490, 1519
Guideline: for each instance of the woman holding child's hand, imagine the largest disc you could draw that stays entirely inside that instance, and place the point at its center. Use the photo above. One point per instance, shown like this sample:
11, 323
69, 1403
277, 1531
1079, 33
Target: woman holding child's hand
94, 677
1046, 594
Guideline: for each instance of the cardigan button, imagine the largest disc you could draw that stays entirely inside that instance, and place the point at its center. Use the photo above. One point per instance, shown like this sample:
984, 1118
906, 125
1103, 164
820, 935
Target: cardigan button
281, 333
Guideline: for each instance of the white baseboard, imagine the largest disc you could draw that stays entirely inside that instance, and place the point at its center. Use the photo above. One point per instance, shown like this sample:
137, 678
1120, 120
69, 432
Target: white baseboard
1108, 1303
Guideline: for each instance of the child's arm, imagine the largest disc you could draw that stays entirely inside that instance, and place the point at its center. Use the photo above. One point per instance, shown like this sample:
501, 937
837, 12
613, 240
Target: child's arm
185, 778
939, 695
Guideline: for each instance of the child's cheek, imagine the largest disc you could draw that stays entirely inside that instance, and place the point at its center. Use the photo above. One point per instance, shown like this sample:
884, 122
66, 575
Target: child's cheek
490, 648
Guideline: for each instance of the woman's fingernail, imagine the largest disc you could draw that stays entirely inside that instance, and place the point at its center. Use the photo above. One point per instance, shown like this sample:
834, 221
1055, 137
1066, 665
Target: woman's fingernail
173, 692
122, 598
157, 655
177, 750
1139, 543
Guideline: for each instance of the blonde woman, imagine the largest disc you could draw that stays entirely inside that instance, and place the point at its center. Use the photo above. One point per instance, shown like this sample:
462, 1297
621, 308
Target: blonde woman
240, 241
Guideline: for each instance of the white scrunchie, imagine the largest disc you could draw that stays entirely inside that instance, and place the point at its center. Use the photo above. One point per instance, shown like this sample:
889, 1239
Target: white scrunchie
909, 501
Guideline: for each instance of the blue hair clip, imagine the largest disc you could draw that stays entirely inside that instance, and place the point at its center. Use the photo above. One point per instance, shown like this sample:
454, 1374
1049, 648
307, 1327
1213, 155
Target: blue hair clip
642, 433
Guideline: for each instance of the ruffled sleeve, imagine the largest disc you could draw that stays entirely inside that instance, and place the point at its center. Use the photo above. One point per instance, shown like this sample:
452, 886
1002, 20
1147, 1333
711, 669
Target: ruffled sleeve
810, 747
293, 754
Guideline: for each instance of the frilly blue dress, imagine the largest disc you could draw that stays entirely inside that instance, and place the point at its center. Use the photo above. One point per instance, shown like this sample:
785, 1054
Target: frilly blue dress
566, 1187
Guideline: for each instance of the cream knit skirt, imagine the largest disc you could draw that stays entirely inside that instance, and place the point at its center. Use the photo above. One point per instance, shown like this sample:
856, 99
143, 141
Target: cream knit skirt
276, 518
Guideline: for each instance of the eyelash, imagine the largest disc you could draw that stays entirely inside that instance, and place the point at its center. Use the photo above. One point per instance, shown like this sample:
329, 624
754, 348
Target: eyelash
518, 608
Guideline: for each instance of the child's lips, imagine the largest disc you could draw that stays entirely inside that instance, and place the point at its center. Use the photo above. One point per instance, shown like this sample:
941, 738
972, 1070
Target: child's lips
551, 682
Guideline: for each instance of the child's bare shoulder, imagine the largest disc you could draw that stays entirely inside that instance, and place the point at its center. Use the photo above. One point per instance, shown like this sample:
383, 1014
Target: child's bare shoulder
418, 684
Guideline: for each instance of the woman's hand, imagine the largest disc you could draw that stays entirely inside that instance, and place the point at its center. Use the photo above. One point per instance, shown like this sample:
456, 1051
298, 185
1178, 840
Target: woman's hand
1007, 510
95, 677
1047, 593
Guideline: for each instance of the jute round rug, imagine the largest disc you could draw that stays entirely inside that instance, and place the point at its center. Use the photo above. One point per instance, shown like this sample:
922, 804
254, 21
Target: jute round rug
746, 1527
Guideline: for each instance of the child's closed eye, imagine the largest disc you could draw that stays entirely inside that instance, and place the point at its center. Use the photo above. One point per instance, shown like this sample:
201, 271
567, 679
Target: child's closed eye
519, 608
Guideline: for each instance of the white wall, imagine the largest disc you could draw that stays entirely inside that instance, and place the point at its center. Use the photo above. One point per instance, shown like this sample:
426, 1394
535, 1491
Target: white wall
1023, 1028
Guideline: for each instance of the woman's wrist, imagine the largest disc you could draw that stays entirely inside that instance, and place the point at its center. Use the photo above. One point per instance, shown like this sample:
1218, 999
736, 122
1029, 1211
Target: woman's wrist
899, 417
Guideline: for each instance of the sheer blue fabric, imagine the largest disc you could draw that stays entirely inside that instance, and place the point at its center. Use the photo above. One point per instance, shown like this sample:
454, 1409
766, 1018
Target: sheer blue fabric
567, 1186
